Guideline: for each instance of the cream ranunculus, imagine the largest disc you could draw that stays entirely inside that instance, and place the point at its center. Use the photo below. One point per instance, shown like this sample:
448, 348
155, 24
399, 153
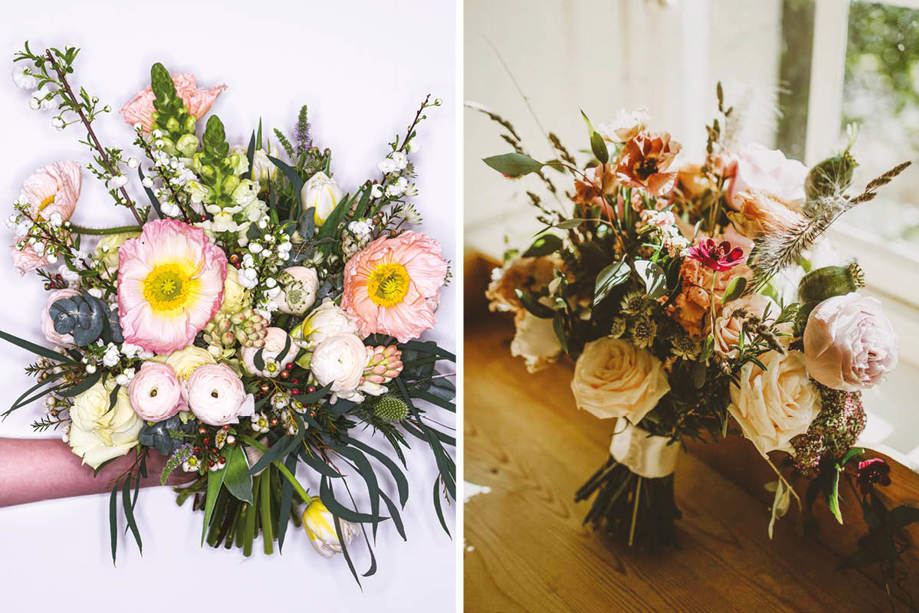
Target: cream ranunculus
322, 194
535, 341
236, 298
613, 378
328, 319
320, 527
185, 361
774, 405
340, 361
217, 397
97, 433
299, 287
107, 248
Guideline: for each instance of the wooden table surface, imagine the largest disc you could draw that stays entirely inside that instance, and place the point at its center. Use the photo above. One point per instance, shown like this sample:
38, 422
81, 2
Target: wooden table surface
526, 547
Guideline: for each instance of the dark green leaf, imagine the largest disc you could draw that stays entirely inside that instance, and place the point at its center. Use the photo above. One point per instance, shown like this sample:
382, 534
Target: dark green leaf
113, 521
543, 245
613, 275
237, 477
653, 277
36, 349
129, 512
338, 509
534, 306
735, 290
214, 483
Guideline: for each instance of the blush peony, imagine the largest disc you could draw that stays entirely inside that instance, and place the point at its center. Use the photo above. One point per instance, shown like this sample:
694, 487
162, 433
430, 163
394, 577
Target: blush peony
849, 344
170, 284
392, 286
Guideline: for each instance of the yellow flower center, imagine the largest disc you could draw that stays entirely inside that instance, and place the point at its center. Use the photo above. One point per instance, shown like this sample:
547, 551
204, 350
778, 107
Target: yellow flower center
44, 203
388, 284
170, 286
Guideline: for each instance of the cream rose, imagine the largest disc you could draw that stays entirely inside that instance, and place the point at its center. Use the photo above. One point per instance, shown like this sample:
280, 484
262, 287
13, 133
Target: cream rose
849, 344
185, 361
774, 405
535, 341
217, 397
728, 327
272, 354
97, 433
340, 361
613, 378
299, 287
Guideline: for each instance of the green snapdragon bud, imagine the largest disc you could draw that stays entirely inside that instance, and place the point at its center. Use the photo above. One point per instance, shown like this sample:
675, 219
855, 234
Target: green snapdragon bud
831, 176
187, 145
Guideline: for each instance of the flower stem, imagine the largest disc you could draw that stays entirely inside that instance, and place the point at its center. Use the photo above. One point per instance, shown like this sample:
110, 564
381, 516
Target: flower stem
635, 512
281, 468
102, 231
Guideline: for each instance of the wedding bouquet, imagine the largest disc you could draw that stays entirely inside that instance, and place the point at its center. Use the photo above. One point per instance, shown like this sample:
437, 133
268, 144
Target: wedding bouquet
694, 295
247, 326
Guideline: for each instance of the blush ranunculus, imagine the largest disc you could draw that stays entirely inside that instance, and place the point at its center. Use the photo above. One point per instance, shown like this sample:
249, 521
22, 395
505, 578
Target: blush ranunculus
54, 188
614, 378
197, 99
849, 344
155, 392
216, 395
47, 325
170, 284
392, 286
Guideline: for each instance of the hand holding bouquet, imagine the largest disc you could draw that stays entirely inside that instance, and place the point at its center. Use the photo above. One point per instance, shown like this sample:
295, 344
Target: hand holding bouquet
244, 326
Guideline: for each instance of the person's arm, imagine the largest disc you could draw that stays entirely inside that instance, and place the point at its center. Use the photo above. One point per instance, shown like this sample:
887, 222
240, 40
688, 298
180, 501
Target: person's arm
39, 469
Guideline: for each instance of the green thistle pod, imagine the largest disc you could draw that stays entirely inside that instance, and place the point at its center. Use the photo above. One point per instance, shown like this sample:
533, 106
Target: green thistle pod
829, 281
830, 177
390, 409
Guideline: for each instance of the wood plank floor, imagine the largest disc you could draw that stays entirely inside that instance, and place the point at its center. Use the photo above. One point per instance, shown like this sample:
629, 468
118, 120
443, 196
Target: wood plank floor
526, 547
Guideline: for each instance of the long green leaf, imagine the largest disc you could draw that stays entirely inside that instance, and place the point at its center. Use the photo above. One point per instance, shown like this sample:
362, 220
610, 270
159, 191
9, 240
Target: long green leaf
214, 483
113, 521
36, 349
129, 512
237, 477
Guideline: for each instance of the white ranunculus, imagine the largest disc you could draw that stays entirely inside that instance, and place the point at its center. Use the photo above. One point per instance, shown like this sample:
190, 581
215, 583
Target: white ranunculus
320, 527
328, 319
614, 378
340, 361
535, 341
321, 193
217, 397
300, 285
774, 405
97, 433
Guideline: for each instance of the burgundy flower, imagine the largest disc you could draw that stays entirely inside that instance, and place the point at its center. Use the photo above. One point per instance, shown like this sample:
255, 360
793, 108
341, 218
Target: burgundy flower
871, 471
717, 256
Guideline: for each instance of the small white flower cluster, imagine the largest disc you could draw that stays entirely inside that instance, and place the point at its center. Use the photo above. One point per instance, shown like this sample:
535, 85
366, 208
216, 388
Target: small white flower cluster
44, 238
356, 236
396, 173
171, 169
259, 268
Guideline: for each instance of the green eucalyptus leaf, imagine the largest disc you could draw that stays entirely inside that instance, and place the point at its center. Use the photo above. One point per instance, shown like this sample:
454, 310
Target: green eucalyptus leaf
543, 245
513, 164
734, 290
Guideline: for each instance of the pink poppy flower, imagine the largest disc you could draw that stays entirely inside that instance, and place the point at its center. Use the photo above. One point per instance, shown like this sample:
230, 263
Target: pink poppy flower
170, 285
392, 286
717, 256
54, 188
198, 100
26, 259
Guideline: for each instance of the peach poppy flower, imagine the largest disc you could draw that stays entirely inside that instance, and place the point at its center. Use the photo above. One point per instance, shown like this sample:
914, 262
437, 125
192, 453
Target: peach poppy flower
392, 286
26, 259
52, 189
198, 100
644, 161
531, 274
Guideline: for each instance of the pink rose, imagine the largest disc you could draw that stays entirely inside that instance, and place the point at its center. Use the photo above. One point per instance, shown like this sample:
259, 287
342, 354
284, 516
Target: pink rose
758, 169
729, 325
47, 325
26, 259
216, 395
198, 100
849, 344
52, 189
155, 392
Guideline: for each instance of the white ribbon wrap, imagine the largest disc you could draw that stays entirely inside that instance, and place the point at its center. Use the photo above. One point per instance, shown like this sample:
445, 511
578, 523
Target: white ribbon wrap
646, 455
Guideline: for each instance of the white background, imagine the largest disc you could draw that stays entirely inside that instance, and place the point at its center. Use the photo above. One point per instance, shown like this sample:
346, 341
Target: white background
363, 68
